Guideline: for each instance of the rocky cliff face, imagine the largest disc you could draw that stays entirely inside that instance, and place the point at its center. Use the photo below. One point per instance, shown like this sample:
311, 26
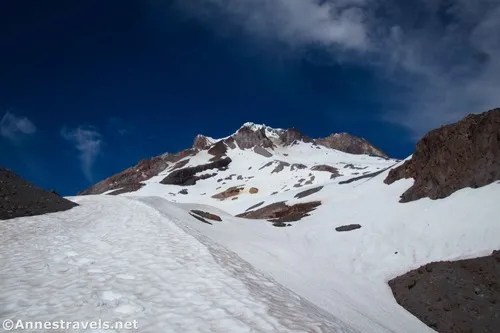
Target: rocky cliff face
464, 154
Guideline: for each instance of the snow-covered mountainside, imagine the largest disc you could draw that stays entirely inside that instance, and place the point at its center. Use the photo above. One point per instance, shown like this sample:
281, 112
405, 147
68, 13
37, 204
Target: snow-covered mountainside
265, 230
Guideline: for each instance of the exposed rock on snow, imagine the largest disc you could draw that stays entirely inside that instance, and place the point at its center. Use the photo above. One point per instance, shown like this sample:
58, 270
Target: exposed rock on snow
230, 192
199, 218
219, 149
298, 166
327, 168
20, 198
201, 142
180, 164
127, 188
464, 154
453, 296
350, 144
280, 166
206, 215
246, 137
365, 176
307, 192
262, 151
253, 190
255, 206
144, 170
348, 227
281, 212
292, 135
187, 176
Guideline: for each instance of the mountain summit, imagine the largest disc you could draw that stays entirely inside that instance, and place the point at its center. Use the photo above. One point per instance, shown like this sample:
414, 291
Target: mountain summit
249, 140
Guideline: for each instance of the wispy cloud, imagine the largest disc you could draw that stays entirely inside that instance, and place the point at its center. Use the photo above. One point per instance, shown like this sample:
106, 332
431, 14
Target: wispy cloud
87, 141
14, 127
118, 126
443, 54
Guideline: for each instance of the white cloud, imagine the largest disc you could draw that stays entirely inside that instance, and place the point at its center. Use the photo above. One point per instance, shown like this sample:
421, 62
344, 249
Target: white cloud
444, 54
13, 127
88, 142
293, 22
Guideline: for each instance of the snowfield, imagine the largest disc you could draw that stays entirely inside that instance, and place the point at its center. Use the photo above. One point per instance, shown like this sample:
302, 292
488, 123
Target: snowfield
142, 256
118, 259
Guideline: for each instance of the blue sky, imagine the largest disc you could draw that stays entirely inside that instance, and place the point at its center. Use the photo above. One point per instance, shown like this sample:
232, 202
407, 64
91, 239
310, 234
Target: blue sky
88, 88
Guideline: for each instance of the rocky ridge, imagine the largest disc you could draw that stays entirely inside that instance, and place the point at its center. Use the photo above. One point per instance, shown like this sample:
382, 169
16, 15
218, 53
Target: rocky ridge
19, 198
456, 156
261, 139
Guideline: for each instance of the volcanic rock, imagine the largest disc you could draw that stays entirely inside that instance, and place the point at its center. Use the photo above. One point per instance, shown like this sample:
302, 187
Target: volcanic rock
206, 215
246, 138
130, 177
453, 296
350, 144
281, 212
456, 156
201, 142
20, 198
348, 227
305, 193
187, 176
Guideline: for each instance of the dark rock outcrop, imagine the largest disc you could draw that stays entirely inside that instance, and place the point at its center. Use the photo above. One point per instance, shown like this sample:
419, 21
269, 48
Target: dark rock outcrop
127, 188
255, 206
206, 215
453, 296
348, 227
187, 176
281, 165
298, 166
281, 212
305, 193
19, 198
327, 168
350, 144
365, 176
201, 142
218, 150
292, 135
262, 151
456, 156
199, 218
246, 138
129, 178
180, 164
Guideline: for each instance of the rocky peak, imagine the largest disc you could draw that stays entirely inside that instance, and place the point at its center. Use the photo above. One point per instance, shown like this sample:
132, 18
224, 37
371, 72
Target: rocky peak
350, 144
201, 142
291, 135
251, 136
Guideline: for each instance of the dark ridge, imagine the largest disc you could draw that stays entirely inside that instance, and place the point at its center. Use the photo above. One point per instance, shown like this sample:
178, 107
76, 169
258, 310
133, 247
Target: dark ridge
19, 198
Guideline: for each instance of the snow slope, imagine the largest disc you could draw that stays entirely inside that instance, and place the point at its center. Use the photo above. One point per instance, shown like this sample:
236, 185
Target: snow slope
346, 273
255, 172
118, 259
